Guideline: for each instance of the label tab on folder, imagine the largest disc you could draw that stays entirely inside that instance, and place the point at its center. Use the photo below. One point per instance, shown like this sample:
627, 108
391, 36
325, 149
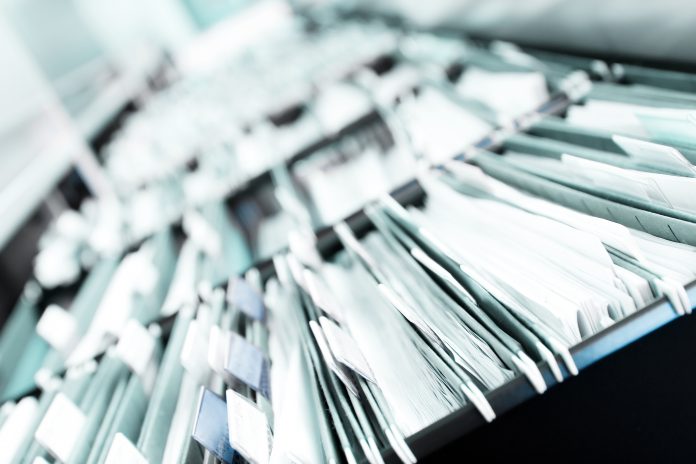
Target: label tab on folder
59, 328
122, 450
135, 347
248, 428
60, 427
194, 353
210, 428
248, 364
241, 295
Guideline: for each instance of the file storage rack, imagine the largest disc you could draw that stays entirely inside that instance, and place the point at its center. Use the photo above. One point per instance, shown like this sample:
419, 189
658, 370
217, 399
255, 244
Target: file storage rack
533, 422
632, 399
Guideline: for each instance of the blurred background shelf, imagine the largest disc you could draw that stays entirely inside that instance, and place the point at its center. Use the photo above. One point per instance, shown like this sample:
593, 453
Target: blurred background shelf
35, 157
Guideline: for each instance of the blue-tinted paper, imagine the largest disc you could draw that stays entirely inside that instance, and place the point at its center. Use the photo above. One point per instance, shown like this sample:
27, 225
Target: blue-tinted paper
248, 364
248, 300
210, 429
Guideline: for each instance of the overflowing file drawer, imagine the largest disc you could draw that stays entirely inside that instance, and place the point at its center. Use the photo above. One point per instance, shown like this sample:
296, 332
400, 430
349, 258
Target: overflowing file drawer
544, 219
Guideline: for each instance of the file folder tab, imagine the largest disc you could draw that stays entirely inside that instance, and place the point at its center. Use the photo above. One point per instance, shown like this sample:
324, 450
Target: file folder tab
248, 364
241, 295
60, 428
210, 428
248, 427
122, 451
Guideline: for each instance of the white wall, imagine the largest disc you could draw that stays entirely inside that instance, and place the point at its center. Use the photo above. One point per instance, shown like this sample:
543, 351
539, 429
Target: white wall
23, 90
124, 25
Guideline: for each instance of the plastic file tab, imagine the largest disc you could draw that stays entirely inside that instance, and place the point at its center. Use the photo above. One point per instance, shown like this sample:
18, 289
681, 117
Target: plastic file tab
60, 429
59, 328
248, 428
248, 364
16, 427
123, 451
136, 347
210, 428
241, 295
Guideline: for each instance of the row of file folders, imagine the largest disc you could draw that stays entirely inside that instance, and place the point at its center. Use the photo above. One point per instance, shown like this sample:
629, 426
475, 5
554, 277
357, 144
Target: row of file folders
510, 259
